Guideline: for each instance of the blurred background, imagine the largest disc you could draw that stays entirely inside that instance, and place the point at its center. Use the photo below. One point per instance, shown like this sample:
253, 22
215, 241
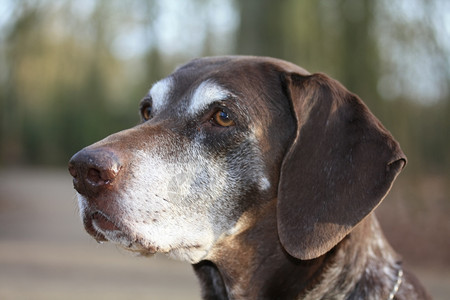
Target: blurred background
73, 72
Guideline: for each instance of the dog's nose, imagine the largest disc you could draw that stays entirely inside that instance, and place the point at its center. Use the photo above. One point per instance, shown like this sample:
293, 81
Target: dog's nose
93, 170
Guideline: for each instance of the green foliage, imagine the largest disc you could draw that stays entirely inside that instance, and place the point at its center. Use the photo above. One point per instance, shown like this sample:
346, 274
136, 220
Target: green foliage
63, 85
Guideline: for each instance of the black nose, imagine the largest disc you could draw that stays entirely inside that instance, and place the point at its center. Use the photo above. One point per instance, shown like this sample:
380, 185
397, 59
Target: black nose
94, 170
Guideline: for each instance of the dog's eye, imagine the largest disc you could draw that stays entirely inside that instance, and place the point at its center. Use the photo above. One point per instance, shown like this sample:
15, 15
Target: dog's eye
222, 118
146, 111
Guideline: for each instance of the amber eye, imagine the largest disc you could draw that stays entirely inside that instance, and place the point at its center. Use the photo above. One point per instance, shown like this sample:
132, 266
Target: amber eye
222, 118
146, 111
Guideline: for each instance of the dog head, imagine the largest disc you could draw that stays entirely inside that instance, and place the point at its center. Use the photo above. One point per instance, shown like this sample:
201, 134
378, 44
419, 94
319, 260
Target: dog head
221, 136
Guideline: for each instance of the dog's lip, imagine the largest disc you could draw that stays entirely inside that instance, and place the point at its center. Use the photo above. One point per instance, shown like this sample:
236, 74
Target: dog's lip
103, 222
96, 220
99, 225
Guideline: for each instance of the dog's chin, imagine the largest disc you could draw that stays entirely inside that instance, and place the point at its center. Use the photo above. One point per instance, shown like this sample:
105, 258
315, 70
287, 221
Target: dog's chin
191, 255
103, 229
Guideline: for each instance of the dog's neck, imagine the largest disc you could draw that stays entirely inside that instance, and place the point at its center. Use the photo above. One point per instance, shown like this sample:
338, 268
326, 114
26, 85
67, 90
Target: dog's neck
253, 265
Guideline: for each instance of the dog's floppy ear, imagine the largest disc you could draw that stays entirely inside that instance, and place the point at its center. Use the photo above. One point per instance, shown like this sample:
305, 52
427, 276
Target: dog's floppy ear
339, 167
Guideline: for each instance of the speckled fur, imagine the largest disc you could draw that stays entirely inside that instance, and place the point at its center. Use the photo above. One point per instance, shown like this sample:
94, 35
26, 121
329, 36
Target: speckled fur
211, 196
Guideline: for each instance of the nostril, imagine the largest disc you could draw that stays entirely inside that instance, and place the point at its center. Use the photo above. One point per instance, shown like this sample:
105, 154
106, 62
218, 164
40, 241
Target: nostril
94, 177
102, 176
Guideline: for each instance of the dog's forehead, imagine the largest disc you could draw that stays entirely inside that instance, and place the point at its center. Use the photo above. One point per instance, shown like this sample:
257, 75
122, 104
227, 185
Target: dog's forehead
160, 92
200, 95
207, 93
204, 81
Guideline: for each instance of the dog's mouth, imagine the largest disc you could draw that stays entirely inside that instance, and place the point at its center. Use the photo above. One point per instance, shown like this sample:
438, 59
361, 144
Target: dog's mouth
96, 224
102, 228
102, 222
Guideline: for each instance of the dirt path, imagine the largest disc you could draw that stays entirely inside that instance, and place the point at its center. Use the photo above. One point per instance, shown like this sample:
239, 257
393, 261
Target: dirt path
45, 253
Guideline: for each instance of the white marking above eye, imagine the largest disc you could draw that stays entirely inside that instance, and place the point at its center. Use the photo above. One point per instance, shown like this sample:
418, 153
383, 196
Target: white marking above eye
160, 93
206, 93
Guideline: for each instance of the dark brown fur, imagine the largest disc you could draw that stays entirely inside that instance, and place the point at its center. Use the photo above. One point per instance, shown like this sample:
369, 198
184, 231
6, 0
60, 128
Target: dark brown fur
329, 161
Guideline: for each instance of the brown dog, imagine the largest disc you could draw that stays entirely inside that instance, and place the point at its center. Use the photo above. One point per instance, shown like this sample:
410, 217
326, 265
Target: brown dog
260, 174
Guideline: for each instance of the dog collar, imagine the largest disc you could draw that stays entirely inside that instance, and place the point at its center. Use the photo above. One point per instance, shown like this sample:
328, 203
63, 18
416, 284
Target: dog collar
397, 284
